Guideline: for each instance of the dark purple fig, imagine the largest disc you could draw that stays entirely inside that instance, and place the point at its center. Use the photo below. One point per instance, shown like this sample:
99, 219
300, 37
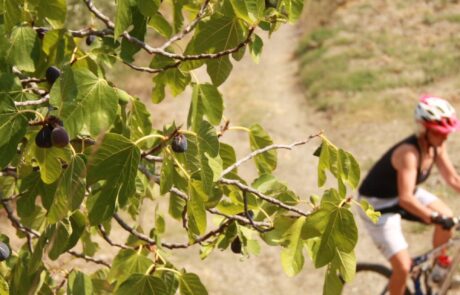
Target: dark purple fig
41, 32
59, 137
52, 73
54, 121
271, 3
4, 251
236, 246
90, 40
179, 143
43, 137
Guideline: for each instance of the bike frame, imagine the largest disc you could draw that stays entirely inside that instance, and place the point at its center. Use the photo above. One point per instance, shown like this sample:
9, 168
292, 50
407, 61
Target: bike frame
422, 266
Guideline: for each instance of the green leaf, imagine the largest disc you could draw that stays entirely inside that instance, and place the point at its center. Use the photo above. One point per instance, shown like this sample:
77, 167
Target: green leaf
208, 39
79, 284
208, 148
128, 49
115, 161
170, 281
13, 127
161, 25
54, 11
92, 93
50, 162
369, 210
24, 51
278, 236
340, 233
211, 102
190, 284
349, 168
70, 191
228, 155
294, 9
259, 138
249, 10
58, 46
139, 120
219, 69
148, 7
292, 257
167, 174
332, 283
142, 285
4, 288
255, 48
174, 78
13, 14
346, 263
59, 239
124, 16
176, 206
196, 210
323, 163
128, 262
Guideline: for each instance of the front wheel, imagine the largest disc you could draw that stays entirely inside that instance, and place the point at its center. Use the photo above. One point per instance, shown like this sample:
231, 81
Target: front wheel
370, 279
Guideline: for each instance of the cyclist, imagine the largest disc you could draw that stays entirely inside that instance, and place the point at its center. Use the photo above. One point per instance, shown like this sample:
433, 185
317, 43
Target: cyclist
391, 186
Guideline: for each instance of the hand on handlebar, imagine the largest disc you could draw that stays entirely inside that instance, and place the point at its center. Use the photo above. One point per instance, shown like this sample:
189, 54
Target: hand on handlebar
446, 222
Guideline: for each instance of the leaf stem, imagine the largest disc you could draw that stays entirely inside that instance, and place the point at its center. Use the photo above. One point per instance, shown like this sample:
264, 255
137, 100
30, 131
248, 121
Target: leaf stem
178, 164
188, 132
171, 270
241, 128
148, 137
32, 111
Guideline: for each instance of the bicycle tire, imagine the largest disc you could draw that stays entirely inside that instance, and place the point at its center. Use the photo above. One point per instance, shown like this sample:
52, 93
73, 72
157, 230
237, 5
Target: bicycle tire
370, 277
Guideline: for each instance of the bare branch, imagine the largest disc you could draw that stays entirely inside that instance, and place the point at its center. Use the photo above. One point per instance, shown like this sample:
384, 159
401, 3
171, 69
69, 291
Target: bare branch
150, 70
153, 158
88, 258
189, 28
32, 80
40, 101
99, 14
266, 149
108, 240
262, 196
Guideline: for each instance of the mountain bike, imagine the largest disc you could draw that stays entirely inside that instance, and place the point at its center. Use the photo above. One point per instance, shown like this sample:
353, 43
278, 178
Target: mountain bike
372, 278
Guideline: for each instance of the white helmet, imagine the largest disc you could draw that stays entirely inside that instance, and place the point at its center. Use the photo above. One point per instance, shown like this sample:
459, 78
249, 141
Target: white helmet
436, 114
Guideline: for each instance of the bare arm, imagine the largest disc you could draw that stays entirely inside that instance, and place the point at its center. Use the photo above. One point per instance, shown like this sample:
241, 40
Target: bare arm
405, 160
446, 169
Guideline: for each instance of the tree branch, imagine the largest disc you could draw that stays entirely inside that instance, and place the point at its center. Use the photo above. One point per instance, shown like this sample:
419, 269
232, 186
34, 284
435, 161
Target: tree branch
262, 196
88, 258
40, 101
108, 240
266, 149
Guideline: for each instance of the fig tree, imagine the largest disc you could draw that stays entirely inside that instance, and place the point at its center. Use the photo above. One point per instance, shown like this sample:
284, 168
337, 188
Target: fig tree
236, 246
52, 73
59, 137
43, 137
4, 251
179, 143
90, 39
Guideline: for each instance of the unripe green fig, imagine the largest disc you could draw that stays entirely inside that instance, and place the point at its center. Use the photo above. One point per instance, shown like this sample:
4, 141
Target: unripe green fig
52, 73
4, 251
43, 137
59, 137
236, 246
179, 143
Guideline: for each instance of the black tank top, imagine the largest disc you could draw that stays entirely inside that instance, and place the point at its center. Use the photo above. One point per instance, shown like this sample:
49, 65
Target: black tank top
381, 181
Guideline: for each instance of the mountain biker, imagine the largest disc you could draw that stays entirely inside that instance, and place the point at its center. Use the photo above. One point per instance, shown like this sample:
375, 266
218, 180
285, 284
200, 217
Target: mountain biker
391, 186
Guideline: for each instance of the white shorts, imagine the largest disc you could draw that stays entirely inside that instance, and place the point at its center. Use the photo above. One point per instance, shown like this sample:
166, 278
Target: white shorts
387, 232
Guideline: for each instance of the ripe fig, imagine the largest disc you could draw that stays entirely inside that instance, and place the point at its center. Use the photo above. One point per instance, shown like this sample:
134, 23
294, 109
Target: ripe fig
52, 73
4, 251
59, 137
90, 39
43, 137
179, 143
41, 32
236, 246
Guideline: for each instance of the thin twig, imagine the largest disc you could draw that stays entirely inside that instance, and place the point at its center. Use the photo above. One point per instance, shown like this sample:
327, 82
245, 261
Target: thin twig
108, 240
150, 70
88, 258
153, 158
262, 196
266, 149
189, 28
